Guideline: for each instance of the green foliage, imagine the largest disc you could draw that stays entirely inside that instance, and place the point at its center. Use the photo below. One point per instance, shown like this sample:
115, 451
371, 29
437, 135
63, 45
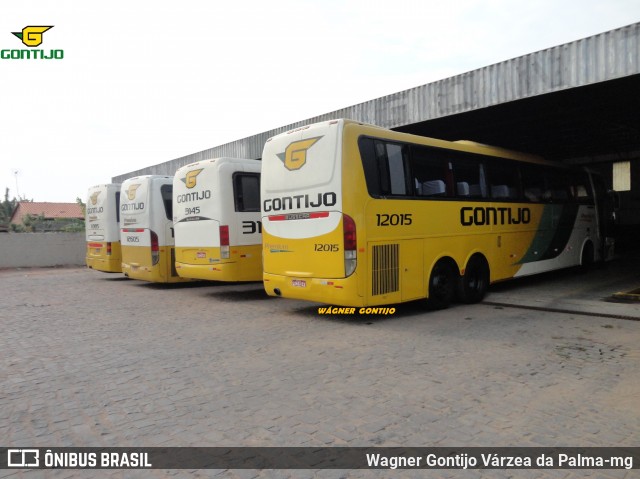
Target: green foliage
6, 207
82, 205
30, 222
33, 224
74, 226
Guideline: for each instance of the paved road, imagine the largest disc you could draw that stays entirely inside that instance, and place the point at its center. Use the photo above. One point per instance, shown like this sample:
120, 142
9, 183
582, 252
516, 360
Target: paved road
90, 359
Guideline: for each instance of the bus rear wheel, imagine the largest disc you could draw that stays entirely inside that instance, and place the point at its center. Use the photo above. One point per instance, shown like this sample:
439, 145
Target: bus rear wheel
586, 261
473, 284
441, 285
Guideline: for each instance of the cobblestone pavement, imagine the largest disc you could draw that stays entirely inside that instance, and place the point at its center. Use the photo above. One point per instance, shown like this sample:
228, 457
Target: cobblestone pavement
91, 359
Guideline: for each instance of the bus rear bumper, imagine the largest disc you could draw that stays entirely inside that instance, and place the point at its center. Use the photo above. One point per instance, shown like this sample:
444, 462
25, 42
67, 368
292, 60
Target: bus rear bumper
144, 273
152, 274
218, 272
110, 265
103, 256
339, 292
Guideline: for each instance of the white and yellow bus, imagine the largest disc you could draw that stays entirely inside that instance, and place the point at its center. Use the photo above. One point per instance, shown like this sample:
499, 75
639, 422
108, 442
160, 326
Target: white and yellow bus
146, 229
356, 215
216, 214
102, 226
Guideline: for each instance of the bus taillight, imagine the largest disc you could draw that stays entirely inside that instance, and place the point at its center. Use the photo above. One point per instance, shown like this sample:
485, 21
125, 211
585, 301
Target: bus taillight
155, 248
350, 244
108, 248
224, 242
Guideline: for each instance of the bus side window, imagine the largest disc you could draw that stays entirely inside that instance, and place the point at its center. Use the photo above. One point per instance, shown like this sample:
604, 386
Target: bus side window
246, 191
397, 176
117, 207
385, 165
558, 185
581, 188
431, 171
581, 192
469, 178
167, 192
533, 183
504, 182
382, 163
371, 166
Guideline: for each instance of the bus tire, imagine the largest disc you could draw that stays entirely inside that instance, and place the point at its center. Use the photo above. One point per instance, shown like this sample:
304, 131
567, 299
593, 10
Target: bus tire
586, 260
473, 284
441, 285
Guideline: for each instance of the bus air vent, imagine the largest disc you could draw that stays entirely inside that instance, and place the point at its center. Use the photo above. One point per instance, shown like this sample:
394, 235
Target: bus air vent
385, 272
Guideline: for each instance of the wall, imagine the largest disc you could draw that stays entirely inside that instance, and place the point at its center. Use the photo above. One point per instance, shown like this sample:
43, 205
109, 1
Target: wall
41, 249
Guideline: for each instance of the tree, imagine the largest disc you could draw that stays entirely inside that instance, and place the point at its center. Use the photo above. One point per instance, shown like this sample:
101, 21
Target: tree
30, 221
82, 205
6, 207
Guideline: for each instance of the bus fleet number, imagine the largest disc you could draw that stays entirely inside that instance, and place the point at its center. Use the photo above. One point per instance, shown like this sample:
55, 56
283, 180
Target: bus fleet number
394, 220
251, 227
331, 248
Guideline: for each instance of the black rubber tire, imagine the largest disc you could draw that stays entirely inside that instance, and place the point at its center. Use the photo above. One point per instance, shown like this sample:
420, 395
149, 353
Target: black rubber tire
442, 285
472, 286
586, 262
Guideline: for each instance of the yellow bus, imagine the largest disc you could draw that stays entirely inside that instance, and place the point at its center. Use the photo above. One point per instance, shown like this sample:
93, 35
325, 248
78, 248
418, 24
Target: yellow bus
146, 229
216, 215
356, 215
102, 225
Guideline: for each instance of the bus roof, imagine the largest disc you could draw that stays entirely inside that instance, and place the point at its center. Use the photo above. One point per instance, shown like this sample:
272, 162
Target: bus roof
220, 160
144, 177
460, 145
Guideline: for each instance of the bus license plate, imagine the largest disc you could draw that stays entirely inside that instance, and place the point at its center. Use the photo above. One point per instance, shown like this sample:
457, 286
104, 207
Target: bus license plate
298, 283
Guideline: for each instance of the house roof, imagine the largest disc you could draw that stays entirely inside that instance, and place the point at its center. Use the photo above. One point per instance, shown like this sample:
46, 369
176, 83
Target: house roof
48, 210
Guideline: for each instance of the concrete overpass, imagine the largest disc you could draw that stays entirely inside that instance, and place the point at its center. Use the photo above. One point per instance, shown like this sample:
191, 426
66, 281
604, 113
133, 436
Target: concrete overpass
577, 103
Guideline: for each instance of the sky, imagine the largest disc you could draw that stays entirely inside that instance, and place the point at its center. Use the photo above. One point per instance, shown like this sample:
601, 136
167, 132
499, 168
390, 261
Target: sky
143, 82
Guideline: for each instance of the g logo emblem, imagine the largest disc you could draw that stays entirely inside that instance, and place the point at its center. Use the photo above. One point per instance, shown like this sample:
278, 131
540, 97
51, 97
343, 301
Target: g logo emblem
94, 197
190, 179
295, 155
31, 36
131, 192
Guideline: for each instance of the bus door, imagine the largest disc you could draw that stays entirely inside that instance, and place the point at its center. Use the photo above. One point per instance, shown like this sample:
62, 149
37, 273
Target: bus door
605, 214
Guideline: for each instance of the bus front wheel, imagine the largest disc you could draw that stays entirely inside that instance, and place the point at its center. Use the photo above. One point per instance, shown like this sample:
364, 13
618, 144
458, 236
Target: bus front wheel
441, 285
473, 284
